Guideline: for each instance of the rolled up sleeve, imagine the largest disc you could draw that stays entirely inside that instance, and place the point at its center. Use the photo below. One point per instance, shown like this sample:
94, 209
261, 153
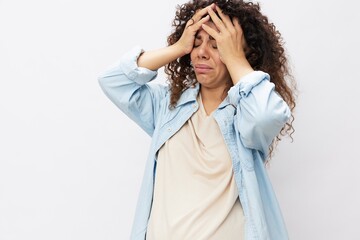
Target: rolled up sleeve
127, 86
261, 112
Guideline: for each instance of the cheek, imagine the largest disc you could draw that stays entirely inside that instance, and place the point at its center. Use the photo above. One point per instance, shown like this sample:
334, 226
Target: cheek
223, 69
216, 57
221, 66
219, 63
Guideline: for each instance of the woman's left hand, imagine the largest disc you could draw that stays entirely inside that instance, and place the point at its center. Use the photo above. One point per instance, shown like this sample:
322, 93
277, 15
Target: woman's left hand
230, 42
230, 38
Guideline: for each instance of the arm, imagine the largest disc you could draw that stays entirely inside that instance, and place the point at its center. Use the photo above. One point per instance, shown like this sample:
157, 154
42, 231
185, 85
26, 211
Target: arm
261, 112
125, 84
155, 59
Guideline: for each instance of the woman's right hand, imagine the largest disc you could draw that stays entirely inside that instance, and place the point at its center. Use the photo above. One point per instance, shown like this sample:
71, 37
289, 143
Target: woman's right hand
155, 59
186, 41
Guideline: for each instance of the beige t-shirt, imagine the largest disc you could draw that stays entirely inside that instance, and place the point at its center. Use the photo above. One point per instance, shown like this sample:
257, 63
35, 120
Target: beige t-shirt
195, 195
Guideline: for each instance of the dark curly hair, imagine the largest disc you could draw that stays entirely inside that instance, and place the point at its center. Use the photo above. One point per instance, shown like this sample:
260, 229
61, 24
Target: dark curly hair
264, 51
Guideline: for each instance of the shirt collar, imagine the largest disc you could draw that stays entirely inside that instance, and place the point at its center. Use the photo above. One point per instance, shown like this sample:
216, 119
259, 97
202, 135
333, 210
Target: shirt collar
190, 95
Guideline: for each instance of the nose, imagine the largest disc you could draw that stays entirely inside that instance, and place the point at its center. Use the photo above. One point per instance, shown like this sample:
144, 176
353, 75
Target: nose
203, 51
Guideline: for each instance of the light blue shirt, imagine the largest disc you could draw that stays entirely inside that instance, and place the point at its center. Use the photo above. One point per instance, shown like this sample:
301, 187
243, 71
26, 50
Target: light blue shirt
250, 117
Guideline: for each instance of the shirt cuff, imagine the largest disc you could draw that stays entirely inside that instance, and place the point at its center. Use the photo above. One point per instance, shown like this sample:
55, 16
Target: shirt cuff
243, 87
129, 67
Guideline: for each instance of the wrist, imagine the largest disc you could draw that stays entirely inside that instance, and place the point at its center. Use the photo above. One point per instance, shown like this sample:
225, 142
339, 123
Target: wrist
180, 49
238, 68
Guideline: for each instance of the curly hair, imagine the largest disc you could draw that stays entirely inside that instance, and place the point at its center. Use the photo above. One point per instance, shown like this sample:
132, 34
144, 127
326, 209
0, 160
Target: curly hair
265, 52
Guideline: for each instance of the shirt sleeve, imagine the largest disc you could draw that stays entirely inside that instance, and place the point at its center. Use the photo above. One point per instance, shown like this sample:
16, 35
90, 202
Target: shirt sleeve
261, 112
127, 86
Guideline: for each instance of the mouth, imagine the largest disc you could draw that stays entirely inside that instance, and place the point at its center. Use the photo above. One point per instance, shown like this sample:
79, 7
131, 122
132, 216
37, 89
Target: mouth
202, 68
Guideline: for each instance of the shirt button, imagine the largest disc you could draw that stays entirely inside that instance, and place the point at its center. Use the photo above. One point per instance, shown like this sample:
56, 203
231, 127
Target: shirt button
169, 129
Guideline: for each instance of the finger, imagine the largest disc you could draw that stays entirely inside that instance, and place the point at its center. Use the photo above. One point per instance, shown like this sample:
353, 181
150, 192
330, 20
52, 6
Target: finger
199, 14
202, 21
237, 25
212, 32
225, 18
189, 22
192, 22
240, 31
217, 21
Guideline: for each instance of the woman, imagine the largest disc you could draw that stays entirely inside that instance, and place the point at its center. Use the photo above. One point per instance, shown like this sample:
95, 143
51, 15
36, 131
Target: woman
213, 128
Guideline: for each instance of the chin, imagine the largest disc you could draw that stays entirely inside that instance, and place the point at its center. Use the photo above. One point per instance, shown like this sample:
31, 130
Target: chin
201, 78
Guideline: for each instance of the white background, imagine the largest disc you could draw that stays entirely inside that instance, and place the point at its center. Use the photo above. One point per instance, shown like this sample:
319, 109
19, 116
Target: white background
71, 163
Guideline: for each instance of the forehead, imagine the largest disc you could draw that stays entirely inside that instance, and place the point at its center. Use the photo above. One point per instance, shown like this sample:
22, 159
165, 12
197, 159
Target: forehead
202, 33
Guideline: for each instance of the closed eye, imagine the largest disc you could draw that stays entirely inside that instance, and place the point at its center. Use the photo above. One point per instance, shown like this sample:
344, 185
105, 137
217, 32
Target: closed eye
213, 44
197, 43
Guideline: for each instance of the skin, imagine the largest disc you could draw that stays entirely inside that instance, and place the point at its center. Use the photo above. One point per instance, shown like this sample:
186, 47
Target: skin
213, 66
210, 71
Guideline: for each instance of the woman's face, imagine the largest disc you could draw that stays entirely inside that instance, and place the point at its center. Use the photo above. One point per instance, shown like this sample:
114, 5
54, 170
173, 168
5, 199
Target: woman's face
210, 71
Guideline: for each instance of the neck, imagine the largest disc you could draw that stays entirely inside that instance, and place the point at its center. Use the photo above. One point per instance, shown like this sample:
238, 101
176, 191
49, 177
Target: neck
212, 97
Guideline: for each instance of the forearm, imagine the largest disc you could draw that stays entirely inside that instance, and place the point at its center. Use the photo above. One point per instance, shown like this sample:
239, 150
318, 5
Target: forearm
238, 68
156, 59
